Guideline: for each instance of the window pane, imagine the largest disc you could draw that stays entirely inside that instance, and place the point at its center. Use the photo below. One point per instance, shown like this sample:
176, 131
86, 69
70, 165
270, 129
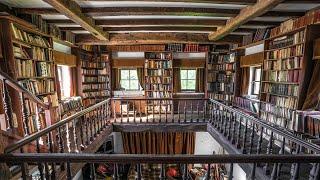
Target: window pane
134, 85
258, 74
133, 74
256, 88
124, 74
191, 74
184, 84
191, 85
125, 84
184, 74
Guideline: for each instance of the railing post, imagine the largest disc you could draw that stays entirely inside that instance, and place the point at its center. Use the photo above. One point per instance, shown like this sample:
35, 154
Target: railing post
162, 172
7, 106
244, 141
179, 111
251, 138
24, 169
74, 122
185, 111
239, 134
53, 167
296, 166
185, 172
233, 139
277, 166
40, 166
230, 174
269, 151
208, 175
115, 172
61, 146
92, 171
69, 173
315, 172
198, 112
25, 115
139, 175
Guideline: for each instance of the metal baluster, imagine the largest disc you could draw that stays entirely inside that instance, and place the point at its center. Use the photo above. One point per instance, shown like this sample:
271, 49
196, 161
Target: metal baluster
233, 139
87, 130
244, 141
179, 112
7, 106
128, 115
251, 138
239, 133
92, 171
296, 166
160, 111
139, 175
225, 124
230, 174
198, 113
40, 166
69, 174
162, 172
185, 111
74, 122
91, 126
134, 112
114, 111
172, 109
204, 111
115, 172
68, 137
95, 122
229, 125
46, 170
99, 112
253, 172
61, 147
277, 166
269, 151
314, 172
140, 111
185, 172
82, 145
153, 106
191, 116
147, 118
121, 111
208, 175
53, 167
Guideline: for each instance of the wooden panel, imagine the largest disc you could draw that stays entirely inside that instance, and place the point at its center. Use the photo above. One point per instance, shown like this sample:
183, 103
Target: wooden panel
118, 63
65, 59
195, 63
316, 49
251, 60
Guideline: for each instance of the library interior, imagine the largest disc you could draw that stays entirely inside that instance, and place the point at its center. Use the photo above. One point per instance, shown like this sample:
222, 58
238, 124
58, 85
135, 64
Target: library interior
160, 89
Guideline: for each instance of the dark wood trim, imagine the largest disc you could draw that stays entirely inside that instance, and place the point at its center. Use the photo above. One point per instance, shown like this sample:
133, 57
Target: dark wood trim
156, 127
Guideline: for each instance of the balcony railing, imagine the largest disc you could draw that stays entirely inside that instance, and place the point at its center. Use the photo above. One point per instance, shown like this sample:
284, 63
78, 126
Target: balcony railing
65, 144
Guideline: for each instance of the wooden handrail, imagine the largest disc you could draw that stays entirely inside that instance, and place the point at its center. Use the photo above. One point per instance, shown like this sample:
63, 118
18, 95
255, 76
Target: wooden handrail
275, 128
157, 158
12, 83
55, 126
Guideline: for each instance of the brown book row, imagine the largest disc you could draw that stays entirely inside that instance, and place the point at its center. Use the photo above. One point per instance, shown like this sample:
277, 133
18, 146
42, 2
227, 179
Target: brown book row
289, 76
286, 53
94, 87
39, 87
30, 68
139, 48
284, 64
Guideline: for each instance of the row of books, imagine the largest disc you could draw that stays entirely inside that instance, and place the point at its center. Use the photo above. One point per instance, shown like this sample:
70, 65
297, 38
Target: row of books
30, 107
137, 48
278, 111
274, 119
97, 79
159, 80
309, 122
37, 20
89, 64
39, 87
30, 68
287, 52
216, 58
29, 37
68, 36
291, 76
96, 94
158, 64
175, 47
42, 54
261, 34
292, 24
158, 87
221, 87
158, 55
94, 86
213, 77
101, 72
20, 52
191, 48
287, 102
54, 31
222, 97
163, 108
285, 64
159, 94
290, 40
247, 104
69, 104
158, 72
88, 102
222, 67
281, 89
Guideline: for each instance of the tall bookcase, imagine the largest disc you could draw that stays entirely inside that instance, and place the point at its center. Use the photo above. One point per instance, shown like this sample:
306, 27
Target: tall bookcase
159, 80
93, 76
221, 76
29, 60
287, 71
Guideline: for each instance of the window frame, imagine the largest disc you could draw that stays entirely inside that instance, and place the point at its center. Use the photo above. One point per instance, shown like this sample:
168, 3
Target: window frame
62, 80
253, 80
187, 79
129, 80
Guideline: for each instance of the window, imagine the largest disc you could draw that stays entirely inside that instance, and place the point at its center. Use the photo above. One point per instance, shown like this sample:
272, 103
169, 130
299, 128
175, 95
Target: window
188, 79
129, 79
255, 80
64, 81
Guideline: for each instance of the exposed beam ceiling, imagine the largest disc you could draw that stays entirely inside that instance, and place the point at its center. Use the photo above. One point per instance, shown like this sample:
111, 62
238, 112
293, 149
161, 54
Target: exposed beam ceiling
153, 38
246, 14
73, 11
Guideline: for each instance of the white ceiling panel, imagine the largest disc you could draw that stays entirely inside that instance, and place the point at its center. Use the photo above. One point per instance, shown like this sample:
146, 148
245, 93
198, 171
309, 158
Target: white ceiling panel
293, 7
26, 3
159, 17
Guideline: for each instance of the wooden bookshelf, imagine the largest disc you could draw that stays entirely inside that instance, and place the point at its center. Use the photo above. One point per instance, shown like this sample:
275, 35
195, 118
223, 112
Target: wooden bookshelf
93, 76
287, 70
29, 60
158, 80
221, 75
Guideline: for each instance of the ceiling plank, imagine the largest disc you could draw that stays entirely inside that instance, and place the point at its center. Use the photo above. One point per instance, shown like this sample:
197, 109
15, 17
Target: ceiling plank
246, 14
178, 11
73, 11
154, 38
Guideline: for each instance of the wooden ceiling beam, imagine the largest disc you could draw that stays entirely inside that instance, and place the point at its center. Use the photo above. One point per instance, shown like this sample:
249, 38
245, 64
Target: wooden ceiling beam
72, 10
246, 14
178, 11
154, 38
